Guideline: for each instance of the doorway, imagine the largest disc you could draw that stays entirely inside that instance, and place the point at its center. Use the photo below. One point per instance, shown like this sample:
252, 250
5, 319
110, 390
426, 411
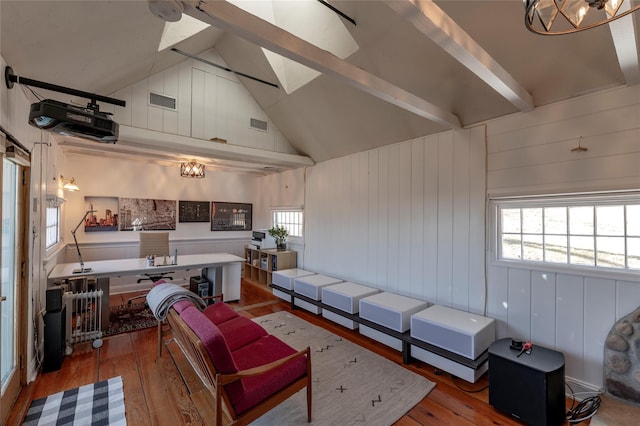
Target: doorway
13, 265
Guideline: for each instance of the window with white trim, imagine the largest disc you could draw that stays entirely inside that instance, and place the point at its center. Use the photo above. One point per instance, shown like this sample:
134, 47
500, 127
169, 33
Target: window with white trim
52, 224
590, 231
291, 219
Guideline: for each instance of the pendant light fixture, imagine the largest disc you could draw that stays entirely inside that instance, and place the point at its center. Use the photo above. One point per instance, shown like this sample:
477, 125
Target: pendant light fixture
192, 169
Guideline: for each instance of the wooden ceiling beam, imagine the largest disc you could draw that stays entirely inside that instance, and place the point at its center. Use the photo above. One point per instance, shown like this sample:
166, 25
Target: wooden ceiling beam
623, 32
431, 21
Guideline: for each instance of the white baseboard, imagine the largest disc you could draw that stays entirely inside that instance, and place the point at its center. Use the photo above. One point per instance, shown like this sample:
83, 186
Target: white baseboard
581, 389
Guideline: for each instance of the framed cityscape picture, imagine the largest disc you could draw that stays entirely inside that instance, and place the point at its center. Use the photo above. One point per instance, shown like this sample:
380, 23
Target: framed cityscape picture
231, 216
142, 214
105, 214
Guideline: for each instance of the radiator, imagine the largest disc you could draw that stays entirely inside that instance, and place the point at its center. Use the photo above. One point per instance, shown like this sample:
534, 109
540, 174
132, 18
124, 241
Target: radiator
84, 316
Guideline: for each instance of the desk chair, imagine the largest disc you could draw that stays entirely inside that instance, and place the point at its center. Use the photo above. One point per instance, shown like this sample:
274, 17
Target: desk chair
153, 244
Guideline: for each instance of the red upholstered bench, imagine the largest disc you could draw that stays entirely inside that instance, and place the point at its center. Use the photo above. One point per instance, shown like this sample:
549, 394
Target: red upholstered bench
247, 370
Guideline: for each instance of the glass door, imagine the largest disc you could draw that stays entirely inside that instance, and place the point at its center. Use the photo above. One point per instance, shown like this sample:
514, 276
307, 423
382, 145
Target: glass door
12, 256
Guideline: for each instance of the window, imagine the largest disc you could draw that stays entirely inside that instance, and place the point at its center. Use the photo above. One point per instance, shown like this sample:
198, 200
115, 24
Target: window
594, 231
290, 219
52, 225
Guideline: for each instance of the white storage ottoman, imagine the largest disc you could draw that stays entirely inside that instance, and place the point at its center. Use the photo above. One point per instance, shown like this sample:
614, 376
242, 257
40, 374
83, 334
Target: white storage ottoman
311, 287
285, 279
389, 310
346, 297
460, 332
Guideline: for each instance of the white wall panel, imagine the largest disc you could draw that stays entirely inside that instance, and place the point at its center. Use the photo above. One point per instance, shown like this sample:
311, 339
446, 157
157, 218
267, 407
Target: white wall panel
385, 205
170, 88
445, 218
198, 119
543, 308
417, 220
627, 298
461, 215
184, 100
155, 116
139, 115
498, 303
519, 303
599, 317
477, 197
430, 229
570, 323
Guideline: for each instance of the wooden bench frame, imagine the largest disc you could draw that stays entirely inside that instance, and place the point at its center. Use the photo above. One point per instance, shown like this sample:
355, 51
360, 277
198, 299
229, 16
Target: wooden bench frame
198, 357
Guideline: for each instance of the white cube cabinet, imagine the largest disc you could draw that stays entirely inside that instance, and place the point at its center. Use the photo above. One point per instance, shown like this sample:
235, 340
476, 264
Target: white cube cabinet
460, 332
391, 311
311, 287
285, 279
345, 297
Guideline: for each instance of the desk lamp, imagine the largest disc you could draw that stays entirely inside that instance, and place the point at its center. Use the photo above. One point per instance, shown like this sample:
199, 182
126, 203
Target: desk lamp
82, 269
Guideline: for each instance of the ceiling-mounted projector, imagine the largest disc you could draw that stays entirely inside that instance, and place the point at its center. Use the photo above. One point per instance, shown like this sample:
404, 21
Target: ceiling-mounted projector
71, 120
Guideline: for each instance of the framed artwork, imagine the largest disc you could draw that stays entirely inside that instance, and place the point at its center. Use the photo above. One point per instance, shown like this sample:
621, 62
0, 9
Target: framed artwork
230, 216
105, 215
193, 211
142, 214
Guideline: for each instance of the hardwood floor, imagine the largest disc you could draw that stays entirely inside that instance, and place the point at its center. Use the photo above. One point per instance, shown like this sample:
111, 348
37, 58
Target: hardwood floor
164, 391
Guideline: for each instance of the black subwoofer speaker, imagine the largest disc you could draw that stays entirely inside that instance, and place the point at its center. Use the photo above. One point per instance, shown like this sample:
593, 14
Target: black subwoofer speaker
529, 387
54, 339
53, 299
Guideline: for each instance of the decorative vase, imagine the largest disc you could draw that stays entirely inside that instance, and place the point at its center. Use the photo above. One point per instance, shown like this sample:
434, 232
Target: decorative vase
281, 246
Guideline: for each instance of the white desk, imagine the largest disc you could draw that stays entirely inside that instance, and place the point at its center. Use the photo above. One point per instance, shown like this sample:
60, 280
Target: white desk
217, 266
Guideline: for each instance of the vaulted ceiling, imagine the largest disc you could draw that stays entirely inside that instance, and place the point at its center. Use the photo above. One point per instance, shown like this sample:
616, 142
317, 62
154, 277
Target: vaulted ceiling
420, 67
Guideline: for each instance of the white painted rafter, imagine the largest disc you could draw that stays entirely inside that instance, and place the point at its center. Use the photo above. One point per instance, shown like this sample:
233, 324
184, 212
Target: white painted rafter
228, 17
623, 32
431, 21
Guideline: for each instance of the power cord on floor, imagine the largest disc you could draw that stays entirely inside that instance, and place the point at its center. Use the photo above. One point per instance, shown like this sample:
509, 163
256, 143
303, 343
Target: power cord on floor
438, 372
585, 409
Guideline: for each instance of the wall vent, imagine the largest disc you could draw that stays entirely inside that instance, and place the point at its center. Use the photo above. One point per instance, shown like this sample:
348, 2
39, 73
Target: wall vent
254, 123
162, 101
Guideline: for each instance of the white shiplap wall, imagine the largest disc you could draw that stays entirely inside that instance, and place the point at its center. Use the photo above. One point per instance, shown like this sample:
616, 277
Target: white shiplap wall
565, 309
210, 103
407, 218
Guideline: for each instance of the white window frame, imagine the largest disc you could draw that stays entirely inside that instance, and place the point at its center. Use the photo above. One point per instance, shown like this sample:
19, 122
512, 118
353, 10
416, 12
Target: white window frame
625, 198
293, 235
53, 203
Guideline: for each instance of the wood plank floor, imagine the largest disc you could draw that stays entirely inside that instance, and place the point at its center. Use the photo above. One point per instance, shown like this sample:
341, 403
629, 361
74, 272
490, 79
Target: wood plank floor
157, 392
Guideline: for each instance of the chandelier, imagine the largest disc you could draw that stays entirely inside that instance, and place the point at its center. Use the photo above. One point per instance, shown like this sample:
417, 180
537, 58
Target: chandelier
556, 17
192, 169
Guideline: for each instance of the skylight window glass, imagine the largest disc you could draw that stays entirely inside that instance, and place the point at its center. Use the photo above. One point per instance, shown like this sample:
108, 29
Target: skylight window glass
308, 20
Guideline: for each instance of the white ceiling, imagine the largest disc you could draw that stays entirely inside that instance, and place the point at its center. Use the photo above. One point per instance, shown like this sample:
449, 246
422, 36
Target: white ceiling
421, 68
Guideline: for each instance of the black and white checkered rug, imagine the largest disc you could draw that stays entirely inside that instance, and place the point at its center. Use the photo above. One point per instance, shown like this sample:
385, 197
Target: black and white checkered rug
99, 404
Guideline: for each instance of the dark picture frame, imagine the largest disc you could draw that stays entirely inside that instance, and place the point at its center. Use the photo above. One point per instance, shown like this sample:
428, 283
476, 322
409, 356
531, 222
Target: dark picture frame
231, 216
194, 211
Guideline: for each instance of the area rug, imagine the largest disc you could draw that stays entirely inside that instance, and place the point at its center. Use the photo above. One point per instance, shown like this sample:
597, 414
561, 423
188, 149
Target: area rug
98, 404
351, 385
126, 318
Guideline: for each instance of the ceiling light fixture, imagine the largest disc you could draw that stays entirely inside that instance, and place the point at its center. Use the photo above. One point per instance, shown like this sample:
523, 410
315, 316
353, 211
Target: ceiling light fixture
69, 184
192, 169
557, 17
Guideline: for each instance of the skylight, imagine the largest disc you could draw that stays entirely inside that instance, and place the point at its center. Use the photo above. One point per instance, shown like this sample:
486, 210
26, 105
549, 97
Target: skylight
175, 32
308, 20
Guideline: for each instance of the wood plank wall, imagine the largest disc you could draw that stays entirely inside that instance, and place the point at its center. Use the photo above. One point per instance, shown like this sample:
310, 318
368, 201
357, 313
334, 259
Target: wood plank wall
407, 218
564, 308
